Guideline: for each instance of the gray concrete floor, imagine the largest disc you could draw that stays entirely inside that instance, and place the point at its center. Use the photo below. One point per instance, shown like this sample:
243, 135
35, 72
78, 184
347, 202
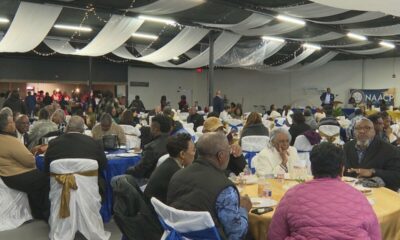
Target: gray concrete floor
39, 230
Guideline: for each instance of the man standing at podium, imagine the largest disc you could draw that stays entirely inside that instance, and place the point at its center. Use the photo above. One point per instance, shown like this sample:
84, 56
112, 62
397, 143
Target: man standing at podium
327, 99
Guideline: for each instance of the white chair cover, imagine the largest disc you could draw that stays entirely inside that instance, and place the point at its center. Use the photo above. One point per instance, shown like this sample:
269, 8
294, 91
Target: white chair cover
132, 135
304, 148
254, 143
183, 116
14, 210
84, 202
234, 122
330, 131
185, 222
199, 129
162, 159
251, 145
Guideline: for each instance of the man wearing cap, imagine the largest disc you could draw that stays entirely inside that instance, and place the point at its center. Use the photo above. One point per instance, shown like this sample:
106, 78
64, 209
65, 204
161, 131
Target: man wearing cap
237, 162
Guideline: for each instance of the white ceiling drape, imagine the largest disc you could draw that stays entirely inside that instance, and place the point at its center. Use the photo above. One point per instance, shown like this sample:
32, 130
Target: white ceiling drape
316, 63
270, 30
305, 54
252, 21
323, 37
378, 31
183, 42
391, 7
222, 44
117, 31
312, 10
369, 51
367, 16
162, 7
29, 27
243, 55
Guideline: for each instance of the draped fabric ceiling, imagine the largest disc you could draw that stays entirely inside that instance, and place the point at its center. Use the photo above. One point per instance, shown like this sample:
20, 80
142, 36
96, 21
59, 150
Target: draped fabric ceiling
238, 32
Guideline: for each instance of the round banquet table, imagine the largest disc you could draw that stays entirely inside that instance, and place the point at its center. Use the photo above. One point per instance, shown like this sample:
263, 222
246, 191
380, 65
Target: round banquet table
386, 207
115, 166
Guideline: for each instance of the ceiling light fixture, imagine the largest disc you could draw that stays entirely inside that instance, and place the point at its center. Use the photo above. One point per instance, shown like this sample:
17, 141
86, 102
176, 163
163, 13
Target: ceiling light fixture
73, 28
275, 39
356, 36
144, 35
311, 46
175, 58
157, 19
387, 44
291, 20
4, 20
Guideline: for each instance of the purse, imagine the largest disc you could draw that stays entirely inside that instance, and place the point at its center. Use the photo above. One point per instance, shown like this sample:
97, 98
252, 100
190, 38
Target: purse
110, 142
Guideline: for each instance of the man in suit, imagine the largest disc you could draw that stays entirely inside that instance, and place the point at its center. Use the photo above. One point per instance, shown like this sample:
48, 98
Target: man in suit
327, 98
218, 103
74, 144
368, 156
22, 125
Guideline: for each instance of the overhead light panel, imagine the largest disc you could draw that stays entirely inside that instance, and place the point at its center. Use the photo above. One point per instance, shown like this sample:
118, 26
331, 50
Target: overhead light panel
73, 28
356, 36
291, 20
311, 46
4, 20
145, 36
387, 44
175, 58
275, 39
157, 19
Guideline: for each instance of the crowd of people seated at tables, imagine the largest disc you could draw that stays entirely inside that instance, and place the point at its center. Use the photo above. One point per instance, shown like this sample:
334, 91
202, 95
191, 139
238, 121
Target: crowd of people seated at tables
203, 155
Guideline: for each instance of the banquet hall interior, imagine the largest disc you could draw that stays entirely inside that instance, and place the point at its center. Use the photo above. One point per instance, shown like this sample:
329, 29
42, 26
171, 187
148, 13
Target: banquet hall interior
289, 83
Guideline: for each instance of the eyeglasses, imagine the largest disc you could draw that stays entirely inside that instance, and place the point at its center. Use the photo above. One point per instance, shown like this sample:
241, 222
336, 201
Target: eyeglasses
363, 128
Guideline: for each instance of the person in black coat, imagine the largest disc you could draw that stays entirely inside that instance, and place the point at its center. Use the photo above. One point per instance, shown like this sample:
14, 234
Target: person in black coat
218, 103
16, 105
298, 127
327, 98
368, 156
160, 128
74, 144
195, 118
181, 150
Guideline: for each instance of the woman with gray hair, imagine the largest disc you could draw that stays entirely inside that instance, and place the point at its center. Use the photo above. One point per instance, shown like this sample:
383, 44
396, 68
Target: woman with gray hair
278, 157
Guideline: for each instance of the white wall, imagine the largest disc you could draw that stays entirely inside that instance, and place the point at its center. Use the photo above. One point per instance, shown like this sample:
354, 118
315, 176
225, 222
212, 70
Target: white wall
258, 88
171, 83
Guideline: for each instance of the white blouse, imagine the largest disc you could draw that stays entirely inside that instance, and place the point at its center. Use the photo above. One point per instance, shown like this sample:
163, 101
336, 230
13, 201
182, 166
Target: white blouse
268, 161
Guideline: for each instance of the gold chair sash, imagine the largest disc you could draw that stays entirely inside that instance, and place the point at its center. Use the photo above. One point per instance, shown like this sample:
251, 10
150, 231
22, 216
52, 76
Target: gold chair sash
330, 139
68, 182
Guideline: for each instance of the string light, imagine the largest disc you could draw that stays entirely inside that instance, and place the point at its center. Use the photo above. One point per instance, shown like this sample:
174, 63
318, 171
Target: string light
116, 61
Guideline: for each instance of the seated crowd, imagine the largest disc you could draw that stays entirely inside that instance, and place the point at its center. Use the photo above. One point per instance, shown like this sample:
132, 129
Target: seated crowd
200, 152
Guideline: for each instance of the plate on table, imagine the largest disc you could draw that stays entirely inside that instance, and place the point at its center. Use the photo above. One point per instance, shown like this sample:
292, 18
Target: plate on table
263, 202
126, 155
365, 190
349, 179
250, 179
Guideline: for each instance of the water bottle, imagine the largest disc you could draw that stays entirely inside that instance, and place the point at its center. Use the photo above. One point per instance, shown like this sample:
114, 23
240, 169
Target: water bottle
246, 170
280, 175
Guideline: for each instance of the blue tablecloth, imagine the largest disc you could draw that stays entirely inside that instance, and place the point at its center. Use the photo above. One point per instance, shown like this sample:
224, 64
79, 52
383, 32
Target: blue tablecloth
115, 166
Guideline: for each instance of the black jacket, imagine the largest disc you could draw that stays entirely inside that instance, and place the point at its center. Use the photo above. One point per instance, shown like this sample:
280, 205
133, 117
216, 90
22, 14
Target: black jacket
132, 213
158, 183
15, 104
383, 157
151, 153
196, 119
